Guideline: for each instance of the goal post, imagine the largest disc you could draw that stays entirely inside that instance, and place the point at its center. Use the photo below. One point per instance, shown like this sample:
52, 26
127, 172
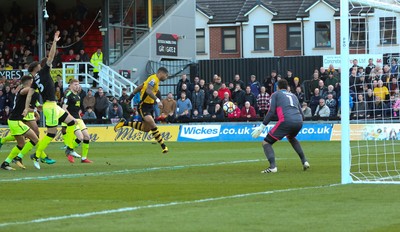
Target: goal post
345, 95
370, 127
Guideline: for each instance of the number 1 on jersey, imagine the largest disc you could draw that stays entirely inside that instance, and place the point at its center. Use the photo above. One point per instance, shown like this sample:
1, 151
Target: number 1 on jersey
290, 99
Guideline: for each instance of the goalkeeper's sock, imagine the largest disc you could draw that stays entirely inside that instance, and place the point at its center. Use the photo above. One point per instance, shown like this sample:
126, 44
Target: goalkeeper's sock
8, 138
270, 154
157, 136
14, 152
297, 147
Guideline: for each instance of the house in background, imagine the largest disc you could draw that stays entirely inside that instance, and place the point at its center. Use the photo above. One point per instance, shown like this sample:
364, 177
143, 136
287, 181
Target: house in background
267, 28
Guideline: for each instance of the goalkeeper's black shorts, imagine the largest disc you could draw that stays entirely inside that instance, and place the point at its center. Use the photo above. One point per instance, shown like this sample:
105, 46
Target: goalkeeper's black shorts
282, 129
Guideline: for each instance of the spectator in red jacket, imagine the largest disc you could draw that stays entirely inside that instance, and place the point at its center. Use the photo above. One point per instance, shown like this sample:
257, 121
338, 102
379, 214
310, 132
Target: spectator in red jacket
235, 114
248, 111
69, 57
223, 90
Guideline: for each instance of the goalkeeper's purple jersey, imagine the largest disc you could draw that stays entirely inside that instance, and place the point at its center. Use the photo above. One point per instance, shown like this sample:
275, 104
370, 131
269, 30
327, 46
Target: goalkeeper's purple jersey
285, 106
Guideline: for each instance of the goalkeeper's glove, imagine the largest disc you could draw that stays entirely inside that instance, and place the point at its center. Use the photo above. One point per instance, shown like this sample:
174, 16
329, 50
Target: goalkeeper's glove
257, 131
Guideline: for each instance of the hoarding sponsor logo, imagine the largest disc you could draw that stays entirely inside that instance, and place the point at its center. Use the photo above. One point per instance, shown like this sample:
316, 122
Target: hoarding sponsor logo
200, 132
130, 134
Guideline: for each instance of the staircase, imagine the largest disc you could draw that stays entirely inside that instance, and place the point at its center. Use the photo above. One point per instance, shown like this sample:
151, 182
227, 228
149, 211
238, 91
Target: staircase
111, 81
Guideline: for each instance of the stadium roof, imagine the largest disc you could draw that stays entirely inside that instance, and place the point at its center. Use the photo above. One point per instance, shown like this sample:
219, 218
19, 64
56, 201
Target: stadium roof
234, 11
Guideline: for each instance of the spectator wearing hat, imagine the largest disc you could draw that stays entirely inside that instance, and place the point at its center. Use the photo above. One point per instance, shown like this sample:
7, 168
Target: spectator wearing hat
331, 80
296, 83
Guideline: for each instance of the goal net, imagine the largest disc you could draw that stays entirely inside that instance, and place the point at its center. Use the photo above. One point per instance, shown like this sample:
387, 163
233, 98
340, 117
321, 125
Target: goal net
371, 57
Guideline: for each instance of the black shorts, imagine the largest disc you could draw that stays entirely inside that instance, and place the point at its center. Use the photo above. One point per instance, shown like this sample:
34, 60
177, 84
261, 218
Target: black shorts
146, 109
282, 129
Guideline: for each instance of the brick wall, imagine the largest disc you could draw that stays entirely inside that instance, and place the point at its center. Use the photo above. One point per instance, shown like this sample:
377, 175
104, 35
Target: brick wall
216, 44
280, 42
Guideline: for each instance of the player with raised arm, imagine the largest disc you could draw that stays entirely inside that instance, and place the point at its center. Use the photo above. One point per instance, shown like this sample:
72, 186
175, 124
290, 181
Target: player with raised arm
52, 112
31, 121
72, 105
19, 129
148, 91
287, 108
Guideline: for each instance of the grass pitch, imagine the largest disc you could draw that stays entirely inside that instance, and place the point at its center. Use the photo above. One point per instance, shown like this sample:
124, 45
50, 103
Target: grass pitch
195, 187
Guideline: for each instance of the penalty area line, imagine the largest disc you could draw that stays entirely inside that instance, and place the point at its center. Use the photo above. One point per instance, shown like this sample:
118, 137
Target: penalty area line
174, 203
127, 171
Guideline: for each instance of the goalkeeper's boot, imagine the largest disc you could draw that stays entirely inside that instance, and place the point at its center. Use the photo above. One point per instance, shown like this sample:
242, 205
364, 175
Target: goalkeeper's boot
6, 166
47, 160
35, 161
18, 161
120, 124
270, 170
306, 166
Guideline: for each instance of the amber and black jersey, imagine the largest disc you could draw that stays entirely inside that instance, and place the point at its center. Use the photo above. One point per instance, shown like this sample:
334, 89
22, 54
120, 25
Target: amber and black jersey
45, 84
73, 101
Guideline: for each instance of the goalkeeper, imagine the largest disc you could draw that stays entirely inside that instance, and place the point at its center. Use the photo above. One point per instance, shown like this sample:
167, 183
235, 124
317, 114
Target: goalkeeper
287, 108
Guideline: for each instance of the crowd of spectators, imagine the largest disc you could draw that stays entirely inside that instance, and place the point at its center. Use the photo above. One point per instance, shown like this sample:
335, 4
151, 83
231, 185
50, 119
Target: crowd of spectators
200, 101
8, 90
19, 48
18, 37
374, 94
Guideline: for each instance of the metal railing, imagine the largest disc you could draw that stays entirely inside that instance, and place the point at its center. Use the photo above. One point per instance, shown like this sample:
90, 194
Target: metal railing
111, 81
